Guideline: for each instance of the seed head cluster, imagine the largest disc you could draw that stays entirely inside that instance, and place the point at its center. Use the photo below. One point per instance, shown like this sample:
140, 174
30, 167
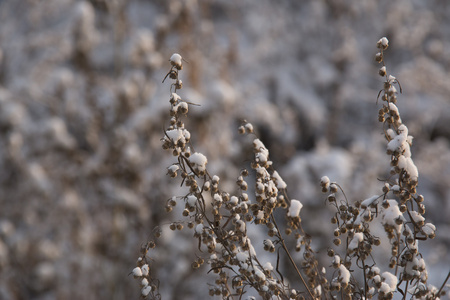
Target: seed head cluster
220, 220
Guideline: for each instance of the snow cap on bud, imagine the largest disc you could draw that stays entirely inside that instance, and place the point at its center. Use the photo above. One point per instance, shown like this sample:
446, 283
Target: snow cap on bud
199, 162
145, 269
325, 183
146, 290
137, 272
383, 43
294, 209
175, 60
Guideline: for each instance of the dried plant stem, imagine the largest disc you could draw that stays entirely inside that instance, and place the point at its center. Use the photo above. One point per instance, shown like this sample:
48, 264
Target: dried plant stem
443, 284
406, 290
291, 260
365, 280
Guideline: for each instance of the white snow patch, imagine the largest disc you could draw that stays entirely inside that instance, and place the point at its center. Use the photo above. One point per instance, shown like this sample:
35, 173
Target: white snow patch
294, 209
280, 182
357, 238
344, 274
391, 213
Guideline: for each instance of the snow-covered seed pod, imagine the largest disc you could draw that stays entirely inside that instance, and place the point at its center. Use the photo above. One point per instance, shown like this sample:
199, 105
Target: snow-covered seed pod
176, 61
183, 108
325, 183
249, 127
172, 170
331, 198
379, 57
178, 84
383, 43
137, 272
146, 290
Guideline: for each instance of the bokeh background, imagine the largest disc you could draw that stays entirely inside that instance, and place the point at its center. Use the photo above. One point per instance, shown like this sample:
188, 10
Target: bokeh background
82, 110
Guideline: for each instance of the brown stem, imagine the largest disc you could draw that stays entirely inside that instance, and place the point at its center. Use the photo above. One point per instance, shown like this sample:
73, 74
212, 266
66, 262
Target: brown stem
291, 260
443, 284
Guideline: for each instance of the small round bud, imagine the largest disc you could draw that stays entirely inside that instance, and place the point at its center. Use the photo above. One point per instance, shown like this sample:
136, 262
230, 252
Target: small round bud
331, 198
176, 61
249, 127
379, 57
403, 208
383, 43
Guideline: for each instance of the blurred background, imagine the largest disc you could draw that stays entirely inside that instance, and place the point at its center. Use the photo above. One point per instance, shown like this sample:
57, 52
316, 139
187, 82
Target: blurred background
82, 110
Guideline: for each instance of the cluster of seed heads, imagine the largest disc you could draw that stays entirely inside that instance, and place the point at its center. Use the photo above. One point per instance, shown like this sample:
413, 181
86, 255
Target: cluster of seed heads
220, 220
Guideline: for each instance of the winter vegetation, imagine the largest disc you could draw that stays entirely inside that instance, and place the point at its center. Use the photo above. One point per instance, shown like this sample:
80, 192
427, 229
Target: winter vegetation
276, 160
222, 221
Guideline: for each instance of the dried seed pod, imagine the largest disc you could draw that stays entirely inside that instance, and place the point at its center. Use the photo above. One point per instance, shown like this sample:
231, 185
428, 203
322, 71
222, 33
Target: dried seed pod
379, 57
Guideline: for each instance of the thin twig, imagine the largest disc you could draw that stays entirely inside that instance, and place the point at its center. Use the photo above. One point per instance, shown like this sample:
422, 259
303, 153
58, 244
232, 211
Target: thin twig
443, 284
291, 260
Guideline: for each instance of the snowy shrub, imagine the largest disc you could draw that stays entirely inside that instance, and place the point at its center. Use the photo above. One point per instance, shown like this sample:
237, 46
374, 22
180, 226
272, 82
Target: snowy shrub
221, 220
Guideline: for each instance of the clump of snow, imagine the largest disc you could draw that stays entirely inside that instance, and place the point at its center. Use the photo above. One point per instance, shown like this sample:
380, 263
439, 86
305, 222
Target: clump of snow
145, 270
391, 214
383, 43
173, 168
240, 225
262, 154
144, 282
389, 283
336, 260
294, 208
429, 229
280, 182
146, 290
191, 200
199, 160
234, 200
372, 200
176, 61
260, 275
174, 97
357, 238
268, 266
175, 134
242, 256
417, 218
137, 272
325, 182
344, 274
199, 228
217, 198
249, 127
